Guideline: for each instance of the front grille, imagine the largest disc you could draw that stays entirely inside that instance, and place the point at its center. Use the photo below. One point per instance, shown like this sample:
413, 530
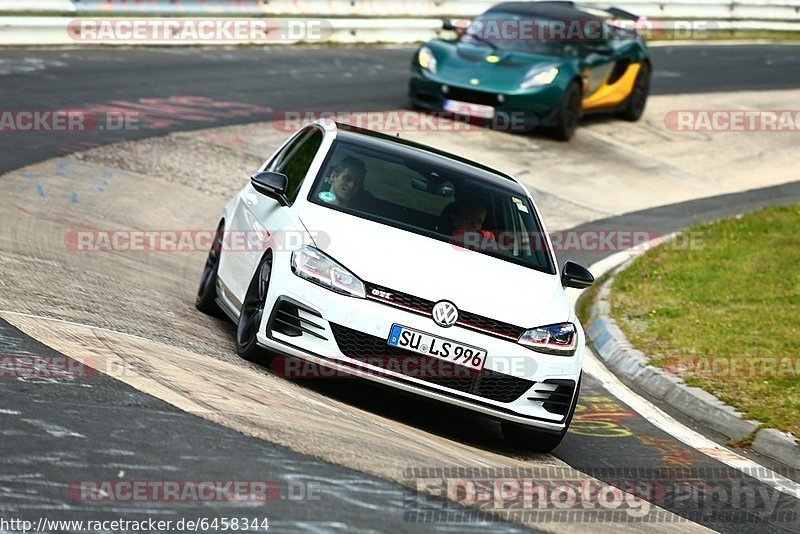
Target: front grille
473, 97
398, 299
478, 322
488, 384
558, 400
418, 305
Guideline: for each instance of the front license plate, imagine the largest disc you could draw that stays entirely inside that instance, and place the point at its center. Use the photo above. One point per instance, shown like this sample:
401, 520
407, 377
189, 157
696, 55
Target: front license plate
466, 108
437, 347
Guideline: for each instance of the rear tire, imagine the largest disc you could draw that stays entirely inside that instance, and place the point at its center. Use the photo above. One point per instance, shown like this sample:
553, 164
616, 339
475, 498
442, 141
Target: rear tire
252, 312
532, 440
207, 292
568, 114
637, 100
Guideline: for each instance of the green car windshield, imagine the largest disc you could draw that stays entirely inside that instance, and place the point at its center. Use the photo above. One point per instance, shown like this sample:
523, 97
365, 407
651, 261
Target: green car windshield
516, 33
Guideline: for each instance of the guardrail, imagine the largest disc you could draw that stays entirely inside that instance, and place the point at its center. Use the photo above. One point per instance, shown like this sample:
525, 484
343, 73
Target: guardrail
668, 9
61, 7
728, 10
63, 31
362, 21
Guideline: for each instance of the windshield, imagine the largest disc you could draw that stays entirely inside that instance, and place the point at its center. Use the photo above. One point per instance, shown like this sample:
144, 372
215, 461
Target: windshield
534, 35
434, 197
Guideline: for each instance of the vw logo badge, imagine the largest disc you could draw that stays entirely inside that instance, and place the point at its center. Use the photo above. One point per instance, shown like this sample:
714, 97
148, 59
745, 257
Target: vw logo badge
445, 314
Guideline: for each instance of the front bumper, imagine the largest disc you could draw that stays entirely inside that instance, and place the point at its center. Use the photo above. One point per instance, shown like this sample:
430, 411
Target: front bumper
349, 336
519, 110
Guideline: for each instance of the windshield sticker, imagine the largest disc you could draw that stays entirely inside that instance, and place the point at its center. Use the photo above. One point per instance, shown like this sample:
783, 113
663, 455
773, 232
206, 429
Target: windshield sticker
326, 196
520, 205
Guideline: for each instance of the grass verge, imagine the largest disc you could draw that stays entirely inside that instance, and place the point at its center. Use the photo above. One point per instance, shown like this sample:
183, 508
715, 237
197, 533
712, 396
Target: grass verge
725, 317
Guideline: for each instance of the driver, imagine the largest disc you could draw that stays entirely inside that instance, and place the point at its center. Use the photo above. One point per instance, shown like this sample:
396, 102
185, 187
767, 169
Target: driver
347, 182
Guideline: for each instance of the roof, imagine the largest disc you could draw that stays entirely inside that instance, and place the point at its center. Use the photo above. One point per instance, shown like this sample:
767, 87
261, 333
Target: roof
377, 140
544, 10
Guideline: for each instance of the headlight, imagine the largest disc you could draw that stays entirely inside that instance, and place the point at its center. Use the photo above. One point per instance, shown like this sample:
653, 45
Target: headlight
540, 76
558, 339
316, 267
426, 59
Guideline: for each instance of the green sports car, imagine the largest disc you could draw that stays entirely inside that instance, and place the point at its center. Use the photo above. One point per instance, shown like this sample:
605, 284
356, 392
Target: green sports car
523, 65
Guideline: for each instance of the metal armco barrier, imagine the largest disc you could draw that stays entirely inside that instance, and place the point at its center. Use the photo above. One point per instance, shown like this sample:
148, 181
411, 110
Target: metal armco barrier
63, 31
673, 9
361, 21
60, 7
712, 10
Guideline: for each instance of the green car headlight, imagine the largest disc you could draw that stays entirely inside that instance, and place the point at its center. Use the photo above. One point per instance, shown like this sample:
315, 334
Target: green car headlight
426, 59
540, 76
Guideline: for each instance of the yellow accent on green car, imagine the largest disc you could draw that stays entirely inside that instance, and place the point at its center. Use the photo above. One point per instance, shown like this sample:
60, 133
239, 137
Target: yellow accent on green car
615, 93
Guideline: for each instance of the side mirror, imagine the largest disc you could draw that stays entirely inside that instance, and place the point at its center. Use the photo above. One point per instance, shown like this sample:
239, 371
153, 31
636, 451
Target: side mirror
460, 27
271, 184
576, 276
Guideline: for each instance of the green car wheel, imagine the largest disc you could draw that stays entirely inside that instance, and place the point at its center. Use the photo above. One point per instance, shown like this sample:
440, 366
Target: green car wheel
569, 113
637, 101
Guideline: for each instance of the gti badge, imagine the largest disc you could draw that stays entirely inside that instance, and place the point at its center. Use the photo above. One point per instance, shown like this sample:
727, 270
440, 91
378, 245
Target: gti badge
445, 314
382, 294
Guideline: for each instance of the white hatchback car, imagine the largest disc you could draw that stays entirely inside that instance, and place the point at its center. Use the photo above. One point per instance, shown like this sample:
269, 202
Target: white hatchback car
411, 267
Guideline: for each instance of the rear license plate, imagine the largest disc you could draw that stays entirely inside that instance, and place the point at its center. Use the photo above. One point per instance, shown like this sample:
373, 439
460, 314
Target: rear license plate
437, 347
466, 108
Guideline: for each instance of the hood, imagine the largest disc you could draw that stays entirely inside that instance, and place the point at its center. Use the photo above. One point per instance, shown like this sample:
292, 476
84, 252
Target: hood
463, 62
434, 270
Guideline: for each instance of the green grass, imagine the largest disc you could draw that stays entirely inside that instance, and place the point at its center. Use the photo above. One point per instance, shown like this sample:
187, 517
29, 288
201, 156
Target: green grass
725, 317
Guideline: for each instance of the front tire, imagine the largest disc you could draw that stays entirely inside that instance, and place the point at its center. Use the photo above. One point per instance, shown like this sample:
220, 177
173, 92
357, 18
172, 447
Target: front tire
206, 300
568, 114
252, 311
529, 439
637, 100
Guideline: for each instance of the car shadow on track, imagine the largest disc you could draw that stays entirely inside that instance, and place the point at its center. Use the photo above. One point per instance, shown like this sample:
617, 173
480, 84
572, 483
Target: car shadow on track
437, 418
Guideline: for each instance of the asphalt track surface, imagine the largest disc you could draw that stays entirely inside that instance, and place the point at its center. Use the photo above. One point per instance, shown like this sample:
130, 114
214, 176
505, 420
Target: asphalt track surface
118, 429
323, 79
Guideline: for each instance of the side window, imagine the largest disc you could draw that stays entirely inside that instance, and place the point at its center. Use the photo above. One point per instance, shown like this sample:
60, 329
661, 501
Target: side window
281, 156
295, 160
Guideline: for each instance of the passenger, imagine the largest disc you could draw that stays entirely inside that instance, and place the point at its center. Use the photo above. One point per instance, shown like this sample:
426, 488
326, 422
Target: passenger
468, 220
